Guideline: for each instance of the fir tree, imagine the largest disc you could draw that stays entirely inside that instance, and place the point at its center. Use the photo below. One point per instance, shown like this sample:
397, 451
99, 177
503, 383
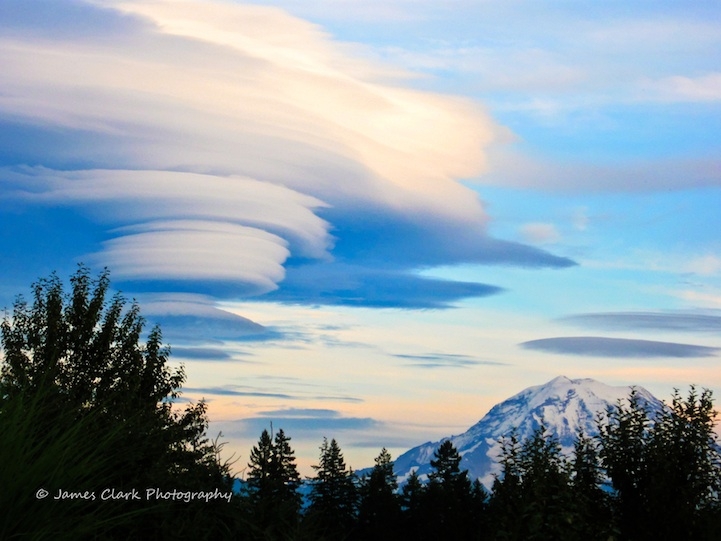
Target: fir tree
379, 512
273, 483
448, 500
333, 496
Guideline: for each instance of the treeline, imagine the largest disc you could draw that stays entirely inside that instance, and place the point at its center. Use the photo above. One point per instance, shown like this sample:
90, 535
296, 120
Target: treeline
91, 425
643, 477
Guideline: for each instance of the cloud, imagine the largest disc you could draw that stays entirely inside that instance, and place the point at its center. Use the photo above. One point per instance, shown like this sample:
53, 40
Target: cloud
595, 346
510, 168
444, 360
200, 353
265, 392
309, 425
210, 144
352, 285
194, 318
678, 88
540, 233
661, 321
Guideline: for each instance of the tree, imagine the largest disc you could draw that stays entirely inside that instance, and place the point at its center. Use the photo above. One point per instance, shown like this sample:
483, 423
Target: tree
449, 501
532, 498
273, 483
665, 470
592, 515
333, 496
379, 512
83, 354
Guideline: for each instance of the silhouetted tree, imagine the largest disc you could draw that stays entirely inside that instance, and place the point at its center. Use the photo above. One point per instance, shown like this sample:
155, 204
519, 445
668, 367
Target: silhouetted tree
379, 512
591, 512
448, 499
84, 354
666, 470
532, 498
273, 482
333, 497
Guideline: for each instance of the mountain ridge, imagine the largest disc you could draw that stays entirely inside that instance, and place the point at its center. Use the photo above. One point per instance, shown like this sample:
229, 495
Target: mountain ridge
563, 405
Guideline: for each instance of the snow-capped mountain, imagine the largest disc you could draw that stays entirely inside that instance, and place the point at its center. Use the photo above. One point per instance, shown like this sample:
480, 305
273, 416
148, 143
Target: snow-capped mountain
563, 405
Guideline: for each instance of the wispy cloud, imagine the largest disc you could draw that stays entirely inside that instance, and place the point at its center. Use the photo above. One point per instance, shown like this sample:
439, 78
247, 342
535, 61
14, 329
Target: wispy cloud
596, 346
662, 321
444, 360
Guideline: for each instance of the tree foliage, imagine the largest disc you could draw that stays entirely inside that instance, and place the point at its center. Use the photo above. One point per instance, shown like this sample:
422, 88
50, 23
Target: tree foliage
333, 497
272, 485
80, 359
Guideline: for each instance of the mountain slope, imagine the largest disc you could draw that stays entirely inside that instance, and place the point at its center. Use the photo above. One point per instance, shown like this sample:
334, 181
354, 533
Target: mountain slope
563, 405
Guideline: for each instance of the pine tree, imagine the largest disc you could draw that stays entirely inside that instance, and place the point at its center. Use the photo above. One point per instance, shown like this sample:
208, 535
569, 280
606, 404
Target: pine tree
449, 503
532, 497
273, 483
333, 496
412, 503
379, 512
592, 514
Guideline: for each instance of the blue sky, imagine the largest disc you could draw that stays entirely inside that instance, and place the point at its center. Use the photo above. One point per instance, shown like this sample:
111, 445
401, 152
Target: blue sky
374, 220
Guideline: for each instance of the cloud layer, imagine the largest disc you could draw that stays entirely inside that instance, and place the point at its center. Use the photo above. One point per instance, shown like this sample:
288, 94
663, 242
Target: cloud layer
216, 143
596, 346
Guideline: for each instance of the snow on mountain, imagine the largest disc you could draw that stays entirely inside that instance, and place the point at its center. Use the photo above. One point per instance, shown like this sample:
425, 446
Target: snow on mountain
563, 405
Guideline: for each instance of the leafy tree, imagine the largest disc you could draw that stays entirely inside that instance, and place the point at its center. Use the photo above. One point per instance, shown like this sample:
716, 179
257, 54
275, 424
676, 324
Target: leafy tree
665, 471
379, 512
83, 354
624, 436
333, 496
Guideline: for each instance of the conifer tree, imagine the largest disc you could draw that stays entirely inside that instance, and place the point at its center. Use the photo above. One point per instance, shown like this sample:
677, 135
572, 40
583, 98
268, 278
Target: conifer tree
379, 512
448, 499
273, 483
592, 515
333, 497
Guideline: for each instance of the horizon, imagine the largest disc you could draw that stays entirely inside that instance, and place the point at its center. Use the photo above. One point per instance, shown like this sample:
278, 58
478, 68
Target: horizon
373, 221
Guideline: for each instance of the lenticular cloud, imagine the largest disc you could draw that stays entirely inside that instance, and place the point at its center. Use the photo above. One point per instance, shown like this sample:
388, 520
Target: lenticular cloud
216, 141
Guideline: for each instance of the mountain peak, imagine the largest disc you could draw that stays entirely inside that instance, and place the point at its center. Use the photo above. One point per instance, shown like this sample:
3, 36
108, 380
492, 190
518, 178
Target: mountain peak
563, 406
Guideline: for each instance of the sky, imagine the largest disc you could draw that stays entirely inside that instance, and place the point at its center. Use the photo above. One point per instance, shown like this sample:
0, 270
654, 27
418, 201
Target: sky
373, 220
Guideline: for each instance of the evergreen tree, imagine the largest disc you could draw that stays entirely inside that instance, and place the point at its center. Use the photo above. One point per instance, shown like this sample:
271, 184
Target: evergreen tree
504, 506
412, 503
592, 515
379, 512
273, 483
532, 499
333, 496
448, 499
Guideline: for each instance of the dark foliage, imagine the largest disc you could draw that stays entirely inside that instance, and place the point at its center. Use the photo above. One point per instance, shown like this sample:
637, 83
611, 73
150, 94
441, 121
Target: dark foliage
76, 364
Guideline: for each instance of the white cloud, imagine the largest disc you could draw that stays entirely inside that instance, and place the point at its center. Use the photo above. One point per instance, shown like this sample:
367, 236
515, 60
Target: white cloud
122, 196
540, 233
229, 119
680, 88
181, 250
